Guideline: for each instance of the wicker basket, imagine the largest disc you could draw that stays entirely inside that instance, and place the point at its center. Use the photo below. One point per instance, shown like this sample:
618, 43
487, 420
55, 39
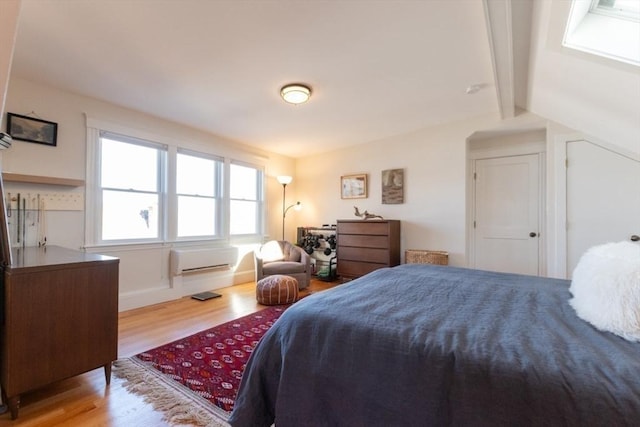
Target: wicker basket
418, 256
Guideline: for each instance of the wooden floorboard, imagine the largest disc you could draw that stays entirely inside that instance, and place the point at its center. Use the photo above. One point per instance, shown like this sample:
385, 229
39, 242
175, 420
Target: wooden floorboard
85, 400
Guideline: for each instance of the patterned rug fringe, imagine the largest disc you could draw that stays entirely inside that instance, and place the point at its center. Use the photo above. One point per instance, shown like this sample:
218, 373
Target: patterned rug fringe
168, 396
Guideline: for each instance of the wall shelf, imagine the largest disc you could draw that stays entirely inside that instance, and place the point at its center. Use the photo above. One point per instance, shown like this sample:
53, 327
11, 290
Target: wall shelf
35, 179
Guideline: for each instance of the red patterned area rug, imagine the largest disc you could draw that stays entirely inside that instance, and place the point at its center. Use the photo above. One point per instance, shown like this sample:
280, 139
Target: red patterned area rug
195, 380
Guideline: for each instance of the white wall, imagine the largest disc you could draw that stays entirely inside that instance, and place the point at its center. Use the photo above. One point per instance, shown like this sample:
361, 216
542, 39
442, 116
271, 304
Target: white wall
144, 270
435, 165
436, 212
9, 11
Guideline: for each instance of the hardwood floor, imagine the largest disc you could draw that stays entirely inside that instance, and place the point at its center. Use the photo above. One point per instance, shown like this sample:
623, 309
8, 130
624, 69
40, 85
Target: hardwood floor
85, 400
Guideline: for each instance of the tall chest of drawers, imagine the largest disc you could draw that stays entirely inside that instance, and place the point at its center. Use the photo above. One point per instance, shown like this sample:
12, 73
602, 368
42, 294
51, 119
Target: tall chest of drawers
366, 245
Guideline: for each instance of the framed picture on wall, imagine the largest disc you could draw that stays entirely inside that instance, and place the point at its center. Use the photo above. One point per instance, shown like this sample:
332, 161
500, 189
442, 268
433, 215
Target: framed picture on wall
30, 129
392, 186
353, 186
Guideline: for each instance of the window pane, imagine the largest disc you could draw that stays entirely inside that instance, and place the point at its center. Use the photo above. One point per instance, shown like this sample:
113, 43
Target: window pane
196, 216
243, 217
244, 183
129, 166
195, 175
128, 215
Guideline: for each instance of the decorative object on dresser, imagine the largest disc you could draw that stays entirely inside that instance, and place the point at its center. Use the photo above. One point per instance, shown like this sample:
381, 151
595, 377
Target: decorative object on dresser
365, 214
365, 246
60, 312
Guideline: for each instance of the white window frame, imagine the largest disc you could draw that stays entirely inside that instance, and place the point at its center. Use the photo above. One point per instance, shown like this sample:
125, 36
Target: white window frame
259, 220
599, 31
169, 200
615, 12
217, 196
160, 188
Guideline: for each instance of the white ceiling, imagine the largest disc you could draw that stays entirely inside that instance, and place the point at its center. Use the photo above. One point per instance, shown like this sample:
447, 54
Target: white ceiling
377, 68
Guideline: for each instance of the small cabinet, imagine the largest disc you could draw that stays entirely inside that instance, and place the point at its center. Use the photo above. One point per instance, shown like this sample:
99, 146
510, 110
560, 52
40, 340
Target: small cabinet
59, 318
367, 245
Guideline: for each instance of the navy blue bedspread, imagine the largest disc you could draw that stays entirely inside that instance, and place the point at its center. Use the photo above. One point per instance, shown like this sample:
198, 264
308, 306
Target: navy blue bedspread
423, 345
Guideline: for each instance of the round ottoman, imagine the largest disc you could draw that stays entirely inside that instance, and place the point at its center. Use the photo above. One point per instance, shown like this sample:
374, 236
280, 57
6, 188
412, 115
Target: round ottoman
277, 289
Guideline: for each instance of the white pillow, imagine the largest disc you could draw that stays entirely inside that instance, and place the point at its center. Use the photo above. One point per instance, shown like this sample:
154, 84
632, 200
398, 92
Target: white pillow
606, 288
271, 251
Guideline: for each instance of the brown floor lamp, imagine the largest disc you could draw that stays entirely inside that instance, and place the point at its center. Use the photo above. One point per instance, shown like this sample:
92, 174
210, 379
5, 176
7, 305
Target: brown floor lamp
284, 180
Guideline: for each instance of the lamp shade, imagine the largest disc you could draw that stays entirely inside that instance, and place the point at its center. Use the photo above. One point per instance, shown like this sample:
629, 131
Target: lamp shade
284, 179
295, 93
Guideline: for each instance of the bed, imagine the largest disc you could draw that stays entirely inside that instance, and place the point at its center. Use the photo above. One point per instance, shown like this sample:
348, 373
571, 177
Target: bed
427, 345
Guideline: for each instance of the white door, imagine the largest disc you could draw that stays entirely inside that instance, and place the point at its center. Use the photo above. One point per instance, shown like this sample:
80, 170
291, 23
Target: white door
603, 198
507, 214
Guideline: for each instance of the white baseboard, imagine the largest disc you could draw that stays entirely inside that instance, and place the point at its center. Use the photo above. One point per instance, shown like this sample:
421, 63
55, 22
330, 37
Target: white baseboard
184, 285
146, 297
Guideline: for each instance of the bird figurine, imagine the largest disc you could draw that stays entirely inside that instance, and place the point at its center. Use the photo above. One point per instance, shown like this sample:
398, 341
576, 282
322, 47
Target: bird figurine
365, 214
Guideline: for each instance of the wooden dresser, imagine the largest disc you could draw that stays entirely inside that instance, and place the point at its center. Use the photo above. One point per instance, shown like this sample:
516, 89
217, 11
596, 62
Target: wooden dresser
59, 318
366, 245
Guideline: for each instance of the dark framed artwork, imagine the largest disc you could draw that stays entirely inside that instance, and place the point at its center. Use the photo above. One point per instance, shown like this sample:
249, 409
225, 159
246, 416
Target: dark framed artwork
30, 129
353, 186
393, 186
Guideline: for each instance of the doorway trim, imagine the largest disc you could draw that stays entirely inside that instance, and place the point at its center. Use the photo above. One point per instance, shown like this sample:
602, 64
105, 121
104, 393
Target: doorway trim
559, 266
509, 144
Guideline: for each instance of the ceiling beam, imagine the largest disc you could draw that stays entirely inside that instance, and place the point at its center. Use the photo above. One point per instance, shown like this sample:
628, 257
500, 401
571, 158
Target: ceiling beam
499, 22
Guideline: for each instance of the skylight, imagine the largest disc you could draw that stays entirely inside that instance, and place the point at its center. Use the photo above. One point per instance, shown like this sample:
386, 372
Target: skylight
622, 9
607, 28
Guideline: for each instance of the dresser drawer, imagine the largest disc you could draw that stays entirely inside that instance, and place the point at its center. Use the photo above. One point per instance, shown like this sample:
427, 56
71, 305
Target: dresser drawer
380, 256
365, 246
363, 241
356, 269
364, 227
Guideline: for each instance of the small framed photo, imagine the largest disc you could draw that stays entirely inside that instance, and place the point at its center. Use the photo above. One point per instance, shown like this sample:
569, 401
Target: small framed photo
353, 186
30, 129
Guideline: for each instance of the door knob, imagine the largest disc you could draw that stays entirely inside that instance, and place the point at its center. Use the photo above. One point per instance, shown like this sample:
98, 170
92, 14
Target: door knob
635, 237
532, 234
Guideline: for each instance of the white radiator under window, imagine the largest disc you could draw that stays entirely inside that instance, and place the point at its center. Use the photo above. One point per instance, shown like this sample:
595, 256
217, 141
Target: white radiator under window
191, 260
